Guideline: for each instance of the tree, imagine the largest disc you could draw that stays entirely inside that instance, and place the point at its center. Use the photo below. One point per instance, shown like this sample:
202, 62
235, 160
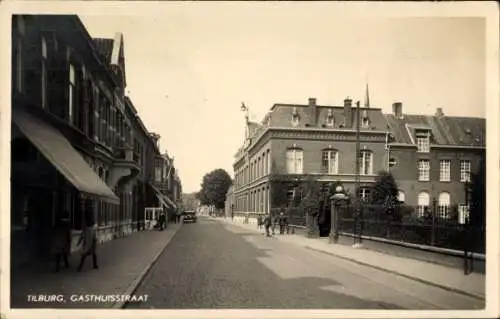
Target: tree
478, 197
214, 188
385, 187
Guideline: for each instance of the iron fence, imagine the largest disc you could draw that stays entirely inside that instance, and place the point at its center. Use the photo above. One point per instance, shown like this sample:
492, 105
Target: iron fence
403, 223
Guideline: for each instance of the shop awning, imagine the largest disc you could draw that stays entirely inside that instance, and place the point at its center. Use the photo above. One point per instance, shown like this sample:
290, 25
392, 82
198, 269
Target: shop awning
66, 159
163, 198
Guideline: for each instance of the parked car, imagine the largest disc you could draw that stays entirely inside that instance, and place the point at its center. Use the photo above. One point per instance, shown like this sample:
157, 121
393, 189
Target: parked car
189, 216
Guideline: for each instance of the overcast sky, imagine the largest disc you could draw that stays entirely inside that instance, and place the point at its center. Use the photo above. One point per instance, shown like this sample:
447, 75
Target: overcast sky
189, 69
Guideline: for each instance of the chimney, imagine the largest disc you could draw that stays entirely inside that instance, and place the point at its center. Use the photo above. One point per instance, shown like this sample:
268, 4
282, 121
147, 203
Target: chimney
439, 112
313, 111
397, 109
348, 112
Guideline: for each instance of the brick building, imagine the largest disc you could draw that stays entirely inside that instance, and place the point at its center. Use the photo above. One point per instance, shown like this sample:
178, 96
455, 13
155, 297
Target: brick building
74, 132
298, 140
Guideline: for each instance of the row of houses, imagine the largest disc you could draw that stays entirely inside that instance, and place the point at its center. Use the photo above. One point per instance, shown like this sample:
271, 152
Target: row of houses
78, 143
430, 156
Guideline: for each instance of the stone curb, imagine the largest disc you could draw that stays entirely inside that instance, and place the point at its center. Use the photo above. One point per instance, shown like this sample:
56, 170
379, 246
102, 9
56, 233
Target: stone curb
137, 281
455, 290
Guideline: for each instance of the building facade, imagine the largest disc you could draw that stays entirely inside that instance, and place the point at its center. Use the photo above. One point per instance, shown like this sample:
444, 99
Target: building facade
73, 140
433, 156
295, 142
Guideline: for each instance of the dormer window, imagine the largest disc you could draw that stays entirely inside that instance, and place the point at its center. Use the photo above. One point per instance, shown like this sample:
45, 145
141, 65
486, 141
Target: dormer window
423, 139
365, 121
330, 121
295, 117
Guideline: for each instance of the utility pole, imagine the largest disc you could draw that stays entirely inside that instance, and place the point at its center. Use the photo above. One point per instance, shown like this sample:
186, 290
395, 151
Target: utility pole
358, 221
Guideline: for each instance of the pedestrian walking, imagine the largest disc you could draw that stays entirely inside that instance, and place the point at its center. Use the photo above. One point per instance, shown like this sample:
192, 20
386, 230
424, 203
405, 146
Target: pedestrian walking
61, 241
178, 216
260, 222
275, 221
267, 224
162, 221
88, 239
282, 220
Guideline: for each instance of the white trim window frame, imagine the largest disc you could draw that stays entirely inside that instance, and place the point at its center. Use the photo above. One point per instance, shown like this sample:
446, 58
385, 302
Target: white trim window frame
401, 196
423, 140
445, 170
366, 162
423, 202
463, 213
424, 170
330, 161
294, 161
465, 170
444, 203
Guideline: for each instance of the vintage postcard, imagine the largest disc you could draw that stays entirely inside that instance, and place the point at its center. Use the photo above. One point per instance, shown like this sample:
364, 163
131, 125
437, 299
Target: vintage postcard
249, 159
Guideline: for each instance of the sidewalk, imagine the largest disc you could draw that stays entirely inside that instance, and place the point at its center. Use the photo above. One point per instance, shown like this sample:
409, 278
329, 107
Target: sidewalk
122, 264
448, 278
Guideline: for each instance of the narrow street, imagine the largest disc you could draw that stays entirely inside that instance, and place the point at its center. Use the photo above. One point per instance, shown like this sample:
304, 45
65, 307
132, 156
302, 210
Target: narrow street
215, 265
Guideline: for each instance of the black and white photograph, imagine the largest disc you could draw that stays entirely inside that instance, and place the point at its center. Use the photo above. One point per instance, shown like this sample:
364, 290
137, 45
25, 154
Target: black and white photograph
313, 158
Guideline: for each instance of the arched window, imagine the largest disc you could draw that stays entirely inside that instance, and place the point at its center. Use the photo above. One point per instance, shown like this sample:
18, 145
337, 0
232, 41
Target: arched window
294, 160
330, 161
423, 203
366, 162
401, 196
444, 205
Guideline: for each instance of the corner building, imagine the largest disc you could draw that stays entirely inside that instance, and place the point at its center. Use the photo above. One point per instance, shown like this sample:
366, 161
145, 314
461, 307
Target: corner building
296, 141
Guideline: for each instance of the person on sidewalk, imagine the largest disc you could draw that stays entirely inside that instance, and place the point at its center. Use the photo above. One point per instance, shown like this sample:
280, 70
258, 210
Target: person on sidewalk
260, 222
61, 241
274, 221
267, 224
162, 221
88, 239
282, 222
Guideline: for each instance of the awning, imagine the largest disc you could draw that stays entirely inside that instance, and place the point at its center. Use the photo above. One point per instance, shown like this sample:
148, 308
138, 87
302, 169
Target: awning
163, 198
59, 151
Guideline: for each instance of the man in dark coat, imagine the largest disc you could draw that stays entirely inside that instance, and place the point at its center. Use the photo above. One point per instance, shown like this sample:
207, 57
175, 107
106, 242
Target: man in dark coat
282, 222
267, 224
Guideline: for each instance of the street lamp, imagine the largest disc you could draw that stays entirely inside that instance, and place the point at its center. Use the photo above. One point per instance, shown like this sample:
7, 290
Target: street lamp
337, 199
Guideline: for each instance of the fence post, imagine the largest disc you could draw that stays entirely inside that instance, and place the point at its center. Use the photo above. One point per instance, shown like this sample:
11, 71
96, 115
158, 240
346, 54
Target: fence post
433, 229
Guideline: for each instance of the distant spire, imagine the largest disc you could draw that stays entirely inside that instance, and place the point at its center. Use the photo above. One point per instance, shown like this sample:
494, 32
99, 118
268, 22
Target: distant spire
367, 96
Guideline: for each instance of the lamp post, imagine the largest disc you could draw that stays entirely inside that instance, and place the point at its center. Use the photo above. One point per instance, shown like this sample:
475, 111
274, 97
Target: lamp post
467, 236
336, 201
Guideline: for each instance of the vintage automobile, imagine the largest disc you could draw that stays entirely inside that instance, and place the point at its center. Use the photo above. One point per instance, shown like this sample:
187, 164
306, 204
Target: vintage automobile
189, 216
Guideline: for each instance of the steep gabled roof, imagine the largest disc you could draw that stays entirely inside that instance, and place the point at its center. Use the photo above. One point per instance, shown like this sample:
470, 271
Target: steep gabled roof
446, 130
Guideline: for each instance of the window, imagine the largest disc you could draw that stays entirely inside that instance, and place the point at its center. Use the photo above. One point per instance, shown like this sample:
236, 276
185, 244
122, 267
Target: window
158, 174
401, 196
295, 117
366, 162
19, 62
365, 123
465, 170
444, 170
330, 120
294, 161
423, 203
463, 213
423, 141
329, 162
72, 84
444, 205
44, 73
364, 193
423, 170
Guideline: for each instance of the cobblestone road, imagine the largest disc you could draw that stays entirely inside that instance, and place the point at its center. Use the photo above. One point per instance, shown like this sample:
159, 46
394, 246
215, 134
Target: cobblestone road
215, 265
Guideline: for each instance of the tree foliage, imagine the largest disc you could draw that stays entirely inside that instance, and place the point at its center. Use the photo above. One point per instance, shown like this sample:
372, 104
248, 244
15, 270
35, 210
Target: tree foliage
478, 196
385, 187
214, 188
